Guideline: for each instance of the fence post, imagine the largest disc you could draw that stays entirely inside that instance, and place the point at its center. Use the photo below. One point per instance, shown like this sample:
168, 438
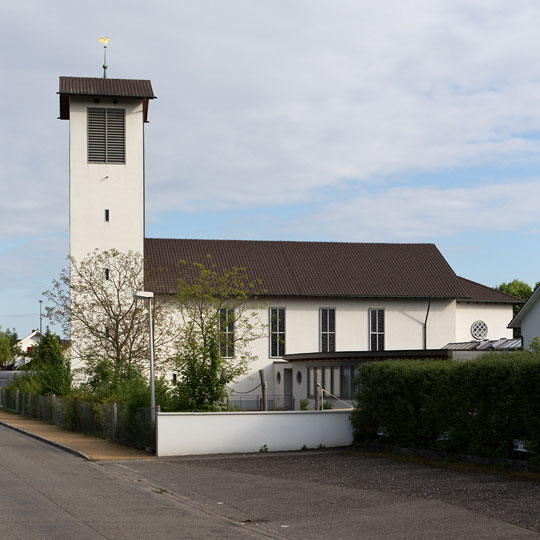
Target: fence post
317, 389
52, 404
263, 386
114, 421
17, 405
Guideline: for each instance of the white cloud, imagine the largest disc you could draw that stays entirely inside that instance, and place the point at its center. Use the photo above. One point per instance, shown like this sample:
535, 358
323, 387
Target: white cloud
273, 102
265, 103
415, 214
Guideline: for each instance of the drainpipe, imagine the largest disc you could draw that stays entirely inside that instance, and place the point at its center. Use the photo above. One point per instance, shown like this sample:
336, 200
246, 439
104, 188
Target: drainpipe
425, 324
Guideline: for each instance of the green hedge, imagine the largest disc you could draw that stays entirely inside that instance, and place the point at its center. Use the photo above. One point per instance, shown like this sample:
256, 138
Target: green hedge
476, 407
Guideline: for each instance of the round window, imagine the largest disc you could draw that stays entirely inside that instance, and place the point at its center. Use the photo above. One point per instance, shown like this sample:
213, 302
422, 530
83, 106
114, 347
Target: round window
479, 330
278, 377
298, 377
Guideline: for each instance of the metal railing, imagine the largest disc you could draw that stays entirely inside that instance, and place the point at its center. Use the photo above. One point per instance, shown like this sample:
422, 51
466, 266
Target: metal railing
255, 403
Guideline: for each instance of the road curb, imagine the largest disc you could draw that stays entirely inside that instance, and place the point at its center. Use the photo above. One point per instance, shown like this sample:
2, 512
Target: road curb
48, 441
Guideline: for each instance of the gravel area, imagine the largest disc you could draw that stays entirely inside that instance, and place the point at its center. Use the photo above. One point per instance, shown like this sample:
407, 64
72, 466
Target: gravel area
508, 496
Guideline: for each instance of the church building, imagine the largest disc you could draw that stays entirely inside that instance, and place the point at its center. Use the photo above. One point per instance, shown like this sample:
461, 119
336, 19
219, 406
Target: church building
339, 302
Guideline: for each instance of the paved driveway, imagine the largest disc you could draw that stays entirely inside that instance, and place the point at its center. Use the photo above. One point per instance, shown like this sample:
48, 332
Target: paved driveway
46, 493
349, 495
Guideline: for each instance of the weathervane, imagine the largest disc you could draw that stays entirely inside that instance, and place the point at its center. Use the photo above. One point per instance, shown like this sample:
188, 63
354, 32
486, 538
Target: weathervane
104, 40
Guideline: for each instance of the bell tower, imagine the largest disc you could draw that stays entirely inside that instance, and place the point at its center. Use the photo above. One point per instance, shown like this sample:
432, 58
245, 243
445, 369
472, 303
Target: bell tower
106, 162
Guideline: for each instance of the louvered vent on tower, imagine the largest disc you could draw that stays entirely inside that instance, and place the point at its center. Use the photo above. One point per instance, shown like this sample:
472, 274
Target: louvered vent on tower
106, 135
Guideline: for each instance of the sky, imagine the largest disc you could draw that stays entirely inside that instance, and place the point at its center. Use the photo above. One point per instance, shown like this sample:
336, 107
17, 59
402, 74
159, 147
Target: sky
342, 120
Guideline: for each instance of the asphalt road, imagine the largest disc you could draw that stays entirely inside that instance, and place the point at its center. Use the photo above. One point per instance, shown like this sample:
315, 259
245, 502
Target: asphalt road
48, 494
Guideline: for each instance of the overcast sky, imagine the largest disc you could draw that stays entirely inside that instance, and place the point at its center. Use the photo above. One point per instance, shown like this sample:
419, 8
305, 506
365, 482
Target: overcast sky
342, 120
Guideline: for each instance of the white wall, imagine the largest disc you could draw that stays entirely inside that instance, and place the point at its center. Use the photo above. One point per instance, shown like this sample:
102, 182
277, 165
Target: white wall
96, 186
404, 320
496, 316
530, 325
183, 434
404, 329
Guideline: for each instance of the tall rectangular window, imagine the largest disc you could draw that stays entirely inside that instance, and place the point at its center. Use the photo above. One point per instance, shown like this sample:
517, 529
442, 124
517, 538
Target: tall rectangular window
106, 214
376, 329
327, 321
106, 135
277, 332
226, 333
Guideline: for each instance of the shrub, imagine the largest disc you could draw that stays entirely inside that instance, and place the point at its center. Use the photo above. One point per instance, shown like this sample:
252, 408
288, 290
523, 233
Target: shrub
477, 407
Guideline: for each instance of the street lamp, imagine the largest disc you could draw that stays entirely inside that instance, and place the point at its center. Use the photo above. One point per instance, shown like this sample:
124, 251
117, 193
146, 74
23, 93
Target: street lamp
145, 295
40, 318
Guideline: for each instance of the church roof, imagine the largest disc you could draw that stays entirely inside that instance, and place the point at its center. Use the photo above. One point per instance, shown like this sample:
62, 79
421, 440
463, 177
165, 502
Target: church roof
303, 269
481, 293
96, 86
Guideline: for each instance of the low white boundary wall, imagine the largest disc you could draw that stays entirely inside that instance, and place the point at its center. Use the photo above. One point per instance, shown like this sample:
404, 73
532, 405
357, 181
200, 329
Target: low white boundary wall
184, 434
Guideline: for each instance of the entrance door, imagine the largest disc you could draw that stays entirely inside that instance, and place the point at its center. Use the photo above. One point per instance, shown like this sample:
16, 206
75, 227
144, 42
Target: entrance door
287, 388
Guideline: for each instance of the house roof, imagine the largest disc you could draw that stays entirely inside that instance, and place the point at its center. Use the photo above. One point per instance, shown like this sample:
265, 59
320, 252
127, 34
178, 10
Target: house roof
482, 294
33, 334
324, 269
516, 321
95, 86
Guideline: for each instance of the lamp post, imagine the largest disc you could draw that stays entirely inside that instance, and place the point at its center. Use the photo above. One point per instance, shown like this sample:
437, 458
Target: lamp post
40, 318
145, 295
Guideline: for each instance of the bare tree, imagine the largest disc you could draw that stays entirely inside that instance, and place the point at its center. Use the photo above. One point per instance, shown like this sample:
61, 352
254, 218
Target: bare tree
93, 301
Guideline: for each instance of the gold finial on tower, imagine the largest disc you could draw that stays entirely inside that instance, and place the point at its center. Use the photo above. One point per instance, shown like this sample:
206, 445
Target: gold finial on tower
104, 40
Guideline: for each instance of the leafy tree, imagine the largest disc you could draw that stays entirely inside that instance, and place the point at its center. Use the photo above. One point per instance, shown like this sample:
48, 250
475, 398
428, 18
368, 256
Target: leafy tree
8, 347
516, 288
218, 322
521, 290
93, 301
5, 351
52, 370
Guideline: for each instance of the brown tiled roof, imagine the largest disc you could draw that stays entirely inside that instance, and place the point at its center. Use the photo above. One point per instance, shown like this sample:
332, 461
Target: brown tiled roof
95, 86
481, 293
311, 268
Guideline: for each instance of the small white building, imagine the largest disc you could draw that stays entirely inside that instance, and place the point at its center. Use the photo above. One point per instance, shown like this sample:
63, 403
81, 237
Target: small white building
528, 319
26, 344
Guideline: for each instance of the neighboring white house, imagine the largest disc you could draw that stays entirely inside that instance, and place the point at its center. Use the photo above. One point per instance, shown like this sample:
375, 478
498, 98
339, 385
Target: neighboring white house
528, 319
318, 296
26, 344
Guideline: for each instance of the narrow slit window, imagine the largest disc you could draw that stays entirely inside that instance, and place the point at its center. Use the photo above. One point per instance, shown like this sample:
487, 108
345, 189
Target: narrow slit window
107, 214
107, 274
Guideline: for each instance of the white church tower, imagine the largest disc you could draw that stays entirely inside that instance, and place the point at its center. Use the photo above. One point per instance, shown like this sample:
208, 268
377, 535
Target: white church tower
106, 162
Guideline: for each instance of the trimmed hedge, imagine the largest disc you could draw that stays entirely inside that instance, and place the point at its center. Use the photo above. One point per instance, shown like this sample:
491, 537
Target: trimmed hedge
475, 407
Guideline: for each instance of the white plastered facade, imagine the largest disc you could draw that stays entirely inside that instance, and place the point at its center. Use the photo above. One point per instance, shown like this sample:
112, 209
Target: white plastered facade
96, 187
106, 200
447, 321
496, 317
528, 319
